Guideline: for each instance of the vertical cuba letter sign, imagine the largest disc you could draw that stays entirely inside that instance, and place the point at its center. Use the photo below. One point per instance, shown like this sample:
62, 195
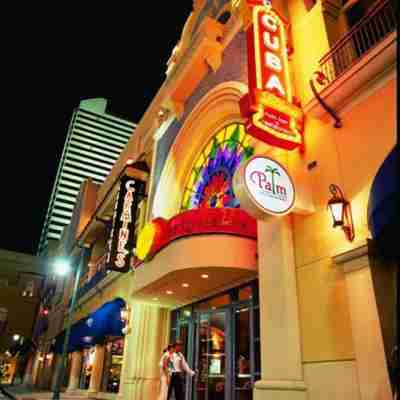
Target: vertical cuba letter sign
269, 109
122, 239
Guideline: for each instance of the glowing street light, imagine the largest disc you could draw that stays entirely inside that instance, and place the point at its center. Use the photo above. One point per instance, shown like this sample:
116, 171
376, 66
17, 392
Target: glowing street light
62, 267
16, 337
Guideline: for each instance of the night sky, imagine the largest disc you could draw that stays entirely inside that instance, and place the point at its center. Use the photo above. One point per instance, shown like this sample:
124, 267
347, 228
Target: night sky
52, 59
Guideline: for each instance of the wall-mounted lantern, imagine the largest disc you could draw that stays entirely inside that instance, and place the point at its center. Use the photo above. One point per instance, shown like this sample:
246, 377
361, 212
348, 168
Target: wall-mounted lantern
341, 212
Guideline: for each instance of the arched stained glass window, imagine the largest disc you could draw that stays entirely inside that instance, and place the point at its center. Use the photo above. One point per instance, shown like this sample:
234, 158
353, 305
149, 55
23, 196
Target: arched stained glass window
210, 181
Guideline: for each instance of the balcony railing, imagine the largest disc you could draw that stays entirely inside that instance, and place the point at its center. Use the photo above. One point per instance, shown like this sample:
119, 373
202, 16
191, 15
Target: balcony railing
100, 273
365, 35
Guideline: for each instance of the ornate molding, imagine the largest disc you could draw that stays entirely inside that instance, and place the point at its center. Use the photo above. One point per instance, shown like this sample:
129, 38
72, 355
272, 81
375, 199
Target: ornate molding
354, 259
205, 53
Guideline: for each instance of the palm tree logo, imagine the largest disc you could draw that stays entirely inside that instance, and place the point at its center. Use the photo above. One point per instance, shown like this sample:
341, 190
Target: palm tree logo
273, 171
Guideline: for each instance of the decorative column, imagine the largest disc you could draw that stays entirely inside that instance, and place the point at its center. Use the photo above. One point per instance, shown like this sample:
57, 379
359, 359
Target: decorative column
373, 377
97, 369
281, 365
35, 369
140, 377
75, 371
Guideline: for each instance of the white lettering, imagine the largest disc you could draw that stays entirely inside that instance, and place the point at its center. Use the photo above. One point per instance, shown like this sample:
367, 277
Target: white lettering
269, 22
271, 42
274, 83
273, 61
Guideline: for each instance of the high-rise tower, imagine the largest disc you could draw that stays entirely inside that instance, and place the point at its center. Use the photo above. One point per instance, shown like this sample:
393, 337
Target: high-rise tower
94, 141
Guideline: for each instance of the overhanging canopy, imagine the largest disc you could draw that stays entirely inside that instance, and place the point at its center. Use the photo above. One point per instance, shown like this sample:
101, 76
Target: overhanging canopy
105, 321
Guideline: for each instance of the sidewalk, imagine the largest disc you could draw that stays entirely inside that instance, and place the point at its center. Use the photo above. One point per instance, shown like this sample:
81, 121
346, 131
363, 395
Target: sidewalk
20, 391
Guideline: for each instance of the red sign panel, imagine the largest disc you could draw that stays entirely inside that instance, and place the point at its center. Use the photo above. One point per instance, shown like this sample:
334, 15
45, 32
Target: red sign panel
199, 221
268, 107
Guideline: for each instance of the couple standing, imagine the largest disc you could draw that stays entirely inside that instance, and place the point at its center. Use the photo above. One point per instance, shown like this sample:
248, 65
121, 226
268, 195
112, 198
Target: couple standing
173, 365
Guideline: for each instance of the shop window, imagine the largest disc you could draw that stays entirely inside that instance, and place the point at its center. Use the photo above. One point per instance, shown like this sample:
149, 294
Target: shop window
214, 303
246, 293
29, 289
3, 320
243, 354
210, 181
87, 367
257, 357
113, 365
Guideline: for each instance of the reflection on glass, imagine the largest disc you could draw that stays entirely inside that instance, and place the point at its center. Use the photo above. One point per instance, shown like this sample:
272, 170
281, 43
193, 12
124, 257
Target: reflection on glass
87, 367
113, 365
256, 315
210, 382
245, 293
243, 387
214, 303
257, 356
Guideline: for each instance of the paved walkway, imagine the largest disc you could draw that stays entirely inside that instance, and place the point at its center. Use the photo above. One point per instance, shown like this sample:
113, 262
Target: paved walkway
25, 392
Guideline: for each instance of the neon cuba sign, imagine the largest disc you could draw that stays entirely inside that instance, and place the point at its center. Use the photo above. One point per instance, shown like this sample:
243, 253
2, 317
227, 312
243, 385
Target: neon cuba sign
269, 109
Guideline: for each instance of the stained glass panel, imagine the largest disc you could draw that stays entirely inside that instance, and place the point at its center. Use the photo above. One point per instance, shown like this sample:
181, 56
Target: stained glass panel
210, 182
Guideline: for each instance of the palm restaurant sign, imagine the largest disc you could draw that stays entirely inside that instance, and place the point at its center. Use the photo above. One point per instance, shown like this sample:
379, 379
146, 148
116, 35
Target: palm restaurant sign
269, 109
263, 186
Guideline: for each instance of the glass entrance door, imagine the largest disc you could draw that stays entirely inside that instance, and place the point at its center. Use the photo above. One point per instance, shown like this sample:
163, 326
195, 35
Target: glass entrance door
211, 360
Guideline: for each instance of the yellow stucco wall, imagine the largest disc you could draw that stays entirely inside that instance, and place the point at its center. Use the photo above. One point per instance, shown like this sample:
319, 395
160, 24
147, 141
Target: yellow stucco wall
349, 157
119, 288
310, 43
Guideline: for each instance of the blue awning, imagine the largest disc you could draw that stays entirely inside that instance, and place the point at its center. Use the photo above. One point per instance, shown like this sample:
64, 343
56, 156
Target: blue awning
80, 337
383, 204
105, 321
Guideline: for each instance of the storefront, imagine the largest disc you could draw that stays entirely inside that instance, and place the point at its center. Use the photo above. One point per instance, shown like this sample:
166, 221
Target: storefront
270, 300
87, 368
95, 350
113, 358
221, 340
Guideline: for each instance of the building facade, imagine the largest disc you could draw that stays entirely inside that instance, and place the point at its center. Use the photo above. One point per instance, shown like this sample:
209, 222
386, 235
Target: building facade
267, 306
21, 281
93, 144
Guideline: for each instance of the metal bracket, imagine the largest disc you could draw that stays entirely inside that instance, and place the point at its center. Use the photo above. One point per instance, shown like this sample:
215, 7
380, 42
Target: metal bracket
321, 79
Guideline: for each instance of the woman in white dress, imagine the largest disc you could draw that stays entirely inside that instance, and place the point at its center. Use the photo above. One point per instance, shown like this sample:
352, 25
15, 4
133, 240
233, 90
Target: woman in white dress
165, 372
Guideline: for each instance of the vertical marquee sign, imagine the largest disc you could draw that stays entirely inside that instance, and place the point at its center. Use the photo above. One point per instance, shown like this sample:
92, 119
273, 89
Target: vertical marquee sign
271, 116
122, 238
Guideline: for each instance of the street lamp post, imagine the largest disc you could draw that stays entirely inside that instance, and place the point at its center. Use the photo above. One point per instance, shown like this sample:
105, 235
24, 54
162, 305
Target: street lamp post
61, 371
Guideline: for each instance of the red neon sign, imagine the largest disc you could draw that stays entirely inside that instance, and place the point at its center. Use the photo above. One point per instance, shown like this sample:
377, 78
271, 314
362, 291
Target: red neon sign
199, 221
268, 107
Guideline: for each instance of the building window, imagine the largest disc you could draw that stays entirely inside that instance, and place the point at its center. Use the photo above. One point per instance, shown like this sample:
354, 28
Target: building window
210, 181
221, 340
113, 365
87, 367
224, 17
29, 289
3, 320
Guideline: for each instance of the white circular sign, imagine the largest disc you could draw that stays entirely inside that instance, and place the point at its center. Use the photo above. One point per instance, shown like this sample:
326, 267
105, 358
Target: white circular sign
264, 183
